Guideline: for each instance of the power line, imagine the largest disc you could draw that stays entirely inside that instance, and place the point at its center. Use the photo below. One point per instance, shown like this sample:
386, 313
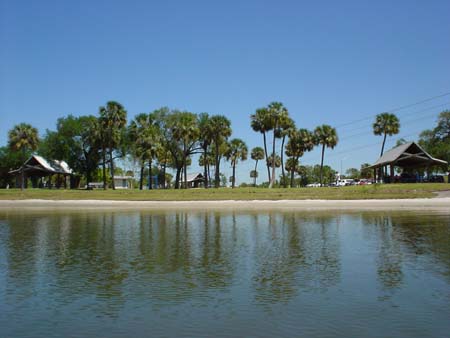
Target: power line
394, 110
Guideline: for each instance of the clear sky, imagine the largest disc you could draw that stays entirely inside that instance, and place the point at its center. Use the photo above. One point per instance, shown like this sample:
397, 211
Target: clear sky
328, 61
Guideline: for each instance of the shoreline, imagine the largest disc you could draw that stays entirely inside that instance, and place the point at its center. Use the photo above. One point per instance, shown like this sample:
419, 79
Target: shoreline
440, 203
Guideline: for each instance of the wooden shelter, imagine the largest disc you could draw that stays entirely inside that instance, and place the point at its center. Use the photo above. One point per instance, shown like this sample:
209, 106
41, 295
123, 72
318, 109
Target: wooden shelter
41, 171
409, 156
194, 180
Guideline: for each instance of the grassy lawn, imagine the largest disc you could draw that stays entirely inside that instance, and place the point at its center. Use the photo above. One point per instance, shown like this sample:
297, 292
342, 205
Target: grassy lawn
381, 191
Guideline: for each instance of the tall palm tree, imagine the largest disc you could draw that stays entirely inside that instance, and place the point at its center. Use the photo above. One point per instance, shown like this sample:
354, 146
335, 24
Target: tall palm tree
277, 113
257, 154
286, 127
113, 119
386, 124
327, 137
144, 137
291, 166
221, 131
262, 123
23, 137
300, 141
206, 138
237, 151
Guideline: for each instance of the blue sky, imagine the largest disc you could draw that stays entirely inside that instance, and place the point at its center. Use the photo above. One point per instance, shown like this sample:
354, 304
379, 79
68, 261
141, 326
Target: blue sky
327, 61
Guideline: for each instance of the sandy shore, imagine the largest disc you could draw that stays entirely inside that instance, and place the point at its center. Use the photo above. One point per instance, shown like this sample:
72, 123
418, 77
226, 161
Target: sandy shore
442, 204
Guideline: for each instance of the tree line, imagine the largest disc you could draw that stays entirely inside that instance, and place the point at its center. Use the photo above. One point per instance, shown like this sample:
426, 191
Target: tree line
91, 145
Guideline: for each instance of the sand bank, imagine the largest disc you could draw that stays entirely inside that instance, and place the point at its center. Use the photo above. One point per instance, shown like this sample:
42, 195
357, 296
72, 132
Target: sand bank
442, 204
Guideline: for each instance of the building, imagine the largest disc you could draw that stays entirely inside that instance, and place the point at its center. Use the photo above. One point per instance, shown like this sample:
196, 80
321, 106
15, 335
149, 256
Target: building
194, 180
410, 157
40, 171
123, 182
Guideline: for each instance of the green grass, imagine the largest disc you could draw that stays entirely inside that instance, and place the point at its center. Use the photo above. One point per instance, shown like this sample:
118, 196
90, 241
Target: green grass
381, 191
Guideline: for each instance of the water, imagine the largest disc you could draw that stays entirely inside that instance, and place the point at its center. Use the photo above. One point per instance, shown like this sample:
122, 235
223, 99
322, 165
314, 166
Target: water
224, 274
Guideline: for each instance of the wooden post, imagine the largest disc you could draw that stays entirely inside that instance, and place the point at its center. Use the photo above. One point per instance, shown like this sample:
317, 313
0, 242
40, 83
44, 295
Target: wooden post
392, 173
375, 175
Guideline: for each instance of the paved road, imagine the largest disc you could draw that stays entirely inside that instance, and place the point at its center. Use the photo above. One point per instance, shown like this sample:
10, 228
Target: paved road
440, 194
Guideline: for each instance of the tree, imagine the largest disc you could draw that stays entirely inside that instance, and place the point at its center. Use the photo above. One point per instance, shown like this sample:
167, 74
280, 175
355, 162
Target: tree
257, 154
300, 141
254, 175
352, 173
261, 123
113, 119
206, 138
291, 167
286, 127
220, 131
365, 171
327, 137
386, 124
185, 130
23, 138
277, 114
144, 137
237, 151
437, 140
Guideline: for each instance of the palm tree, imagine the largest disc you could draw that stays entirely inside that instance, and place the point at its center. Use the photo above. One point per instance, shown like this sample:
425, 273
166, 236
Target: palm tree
23, 137
220, 131
237, 150
206, 138
113, 119
254, 175
291, 167
257, 154
286, 127
185, 129
261, 123
386, 124
277, 113
144, 136
300, 141
327, 137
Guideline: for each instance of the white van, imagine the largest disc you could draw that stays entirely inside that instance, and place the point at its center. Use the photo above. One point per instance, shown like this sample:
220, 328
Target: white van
344, 182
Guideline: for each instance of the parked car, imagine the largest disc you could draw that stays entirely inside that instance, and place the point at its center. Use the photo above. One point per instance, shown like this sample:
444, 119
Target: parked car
313, 185
364, 181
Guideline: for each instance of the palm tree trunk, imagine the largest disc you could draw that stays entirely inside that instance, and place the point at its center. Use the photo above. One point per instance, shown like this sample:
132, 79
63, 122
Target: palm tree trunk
104, 167
234, 175
254, 179
217, 173
382, 147
112, 168
292, 178
141, 180
150, 173
321, 163
177, 177
205, 167
164, 173
267, 156
282, 162
272, 181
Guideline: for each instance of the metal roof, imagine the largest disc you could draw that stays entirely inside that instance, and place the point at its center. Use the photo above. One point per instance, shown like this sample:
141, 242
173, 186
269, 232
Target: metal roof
40, 164
408, 154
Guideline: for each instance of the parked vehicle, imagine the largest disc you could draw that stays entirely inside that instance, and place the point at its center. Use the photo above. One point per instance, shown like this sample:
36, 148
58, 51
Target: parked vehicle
344, 182
313, 185
364, 181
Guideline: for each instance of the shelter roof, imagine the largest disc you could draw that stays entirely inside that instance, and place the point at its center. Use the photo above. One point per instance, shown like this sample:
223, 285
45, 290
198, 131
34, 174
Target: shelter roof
39, 164
407, 155
194, 177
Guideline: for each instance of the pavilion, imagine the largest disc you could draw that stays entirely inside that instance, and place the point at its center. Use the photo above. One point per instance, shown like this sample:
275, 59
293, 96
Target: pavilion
38, 168
409, 156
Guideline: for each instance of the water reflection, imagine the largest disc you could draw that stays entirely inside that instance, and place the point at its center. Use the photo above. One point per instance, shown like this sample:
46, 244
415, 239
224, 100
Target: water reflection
101, 264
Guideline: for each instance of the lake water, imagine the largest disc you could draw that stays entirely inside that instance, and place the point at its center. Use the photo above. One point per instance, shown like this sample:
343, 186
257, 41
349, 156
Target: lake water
224, 274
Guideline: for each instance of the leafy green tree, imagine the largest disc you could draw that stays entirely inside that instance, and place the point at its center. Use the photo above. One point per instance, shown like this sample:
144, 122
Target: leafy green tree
300, 141
220, 130
23, 138
237, 151
365, 172
386, 124
185, 130
291, 167
352, 173
437, 140
254, 175
261, 122
257, 155
327, 137
113, 119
